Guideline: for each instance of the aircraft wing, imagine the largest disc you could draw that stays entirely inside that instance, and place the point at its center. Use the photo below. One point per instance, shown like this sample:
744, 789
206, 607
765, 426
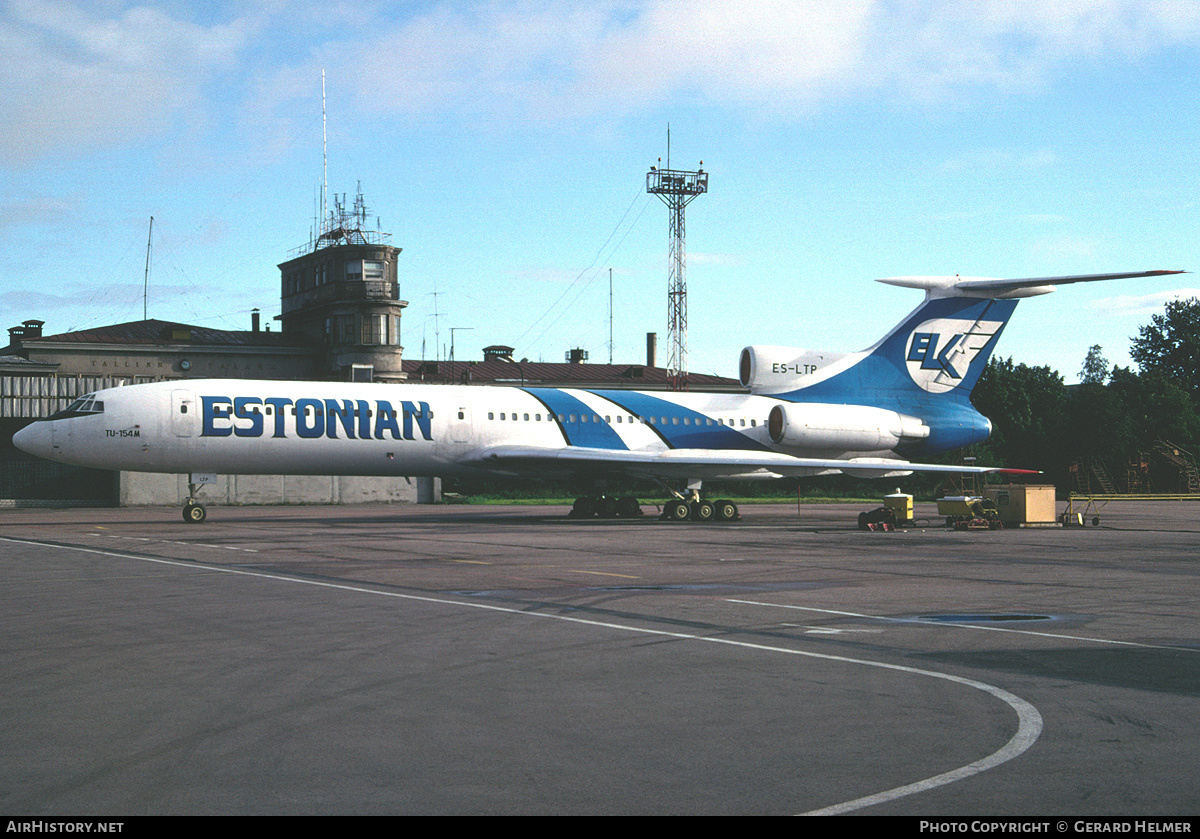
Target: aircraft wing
696, 463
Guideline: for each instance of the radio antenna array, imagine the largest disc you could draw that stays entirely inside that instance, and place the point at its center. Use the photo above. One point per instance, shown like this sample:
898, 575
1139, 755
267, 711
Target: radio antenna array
676, 188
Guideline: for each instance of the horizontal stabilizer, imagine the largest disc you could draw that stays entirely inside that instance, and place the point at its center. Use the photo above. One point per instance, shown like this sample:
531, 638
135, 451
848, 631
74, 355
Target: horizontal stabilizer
958, 286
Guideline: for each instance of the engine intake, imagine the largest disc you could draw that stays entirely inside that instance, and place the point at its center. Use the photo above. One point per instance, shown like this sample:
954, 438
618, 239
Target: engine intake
774, 369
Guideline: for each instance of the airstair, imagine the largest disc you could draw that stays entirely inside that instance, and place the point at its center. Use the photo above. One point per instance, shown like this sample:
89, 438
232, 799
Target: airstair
1148, 477
1181, 462
1090, 477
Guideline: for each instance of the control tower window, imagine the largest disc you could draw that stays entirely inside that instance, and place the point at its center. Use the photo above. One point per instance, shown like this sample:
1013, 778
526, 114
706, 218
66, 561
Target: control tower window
365, 269
343, 329
375, 329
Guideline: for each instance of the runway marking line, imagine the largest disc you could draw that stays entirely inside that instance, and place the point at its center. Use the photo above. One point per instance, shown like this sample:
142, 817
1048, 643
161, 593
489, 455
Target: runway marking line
1029, 720
603, 573
917, 622
175, 542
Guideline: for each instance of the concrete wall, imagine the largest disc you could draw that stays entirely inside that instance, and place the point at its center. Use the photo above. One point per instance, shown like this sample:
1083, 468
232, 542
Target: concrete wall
146, 488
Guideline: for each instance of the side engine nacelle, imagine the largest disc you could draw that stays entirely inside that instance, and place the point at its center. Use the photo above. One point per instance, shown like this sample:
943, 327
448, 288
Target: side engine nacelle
767, 369
846, 428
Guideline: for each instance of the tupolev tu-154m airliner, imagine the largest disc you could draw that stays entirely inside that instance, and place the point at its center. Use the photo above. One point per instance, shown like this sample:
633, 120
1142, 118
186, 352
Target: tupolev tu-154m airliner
806, 413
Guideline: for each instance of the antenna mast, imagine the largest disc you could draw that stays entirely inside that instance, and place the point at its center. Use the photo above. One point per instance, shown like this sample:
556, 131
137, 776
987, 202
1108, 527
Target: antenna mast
146, 278
610, 316
324, 151
676, 188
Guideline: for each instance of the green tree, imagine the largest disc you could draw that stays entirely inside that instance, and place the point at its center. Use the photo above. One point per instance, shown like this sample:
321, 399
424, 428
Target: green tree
1153, 407
1026, 407
1169, 346
1095, 367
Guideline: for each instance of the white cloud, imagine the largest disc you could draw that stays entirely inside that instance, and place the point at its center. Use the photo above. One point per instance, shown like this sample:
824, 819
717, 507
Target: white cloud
76, 76
1140, 305
1069, 250
721, 259
728, 51
34, 301
932, 48
775, 56
92, 74
32, 210
1042, 219
996, 159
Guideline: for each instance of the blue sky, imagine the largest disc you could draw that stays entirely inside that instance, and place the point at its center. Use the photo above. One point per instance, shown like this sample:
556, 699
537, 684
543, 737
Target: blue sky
505, 148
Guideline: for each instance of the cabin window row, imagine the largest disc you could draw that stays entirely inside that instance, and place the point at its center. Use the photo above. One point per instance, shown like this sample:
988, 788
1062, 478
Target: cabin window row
622, 418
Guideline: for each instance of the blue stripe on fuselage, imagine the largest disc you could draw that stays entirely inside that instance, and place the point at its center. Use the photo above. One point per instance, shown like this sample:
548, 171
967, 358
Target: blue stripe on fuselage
683, 427
579, 422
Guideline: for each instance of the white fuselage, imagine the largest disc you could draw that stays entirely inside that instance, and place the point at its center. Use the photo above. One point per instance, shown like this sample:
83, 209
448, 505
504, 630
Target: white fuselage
808, 413
233, 426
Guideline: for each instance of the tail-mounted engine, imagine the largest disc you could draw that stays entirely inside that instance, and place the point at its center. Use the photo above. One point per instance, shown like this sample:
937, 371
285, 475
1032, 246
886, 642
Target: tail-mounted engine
815, 426
766, 369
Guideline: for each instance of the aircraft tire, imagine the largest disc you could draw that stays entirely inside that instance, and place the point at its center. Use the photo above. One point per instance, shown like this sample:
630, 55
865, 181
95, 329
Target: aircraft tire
676, 510
628, 507
194, 513
584, 507
606, 507
726, 511
703, 511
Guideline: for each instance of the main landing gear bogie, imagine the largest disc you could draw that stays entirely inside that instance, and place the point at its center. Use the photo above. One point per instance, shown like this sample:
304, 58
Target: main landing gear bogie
678, 510
606, 507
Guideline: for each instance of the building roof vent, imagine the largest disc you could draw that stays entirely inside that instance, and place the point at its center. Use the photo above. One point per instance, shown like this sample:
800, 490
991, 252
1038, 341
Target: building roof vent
497, 352
27, 329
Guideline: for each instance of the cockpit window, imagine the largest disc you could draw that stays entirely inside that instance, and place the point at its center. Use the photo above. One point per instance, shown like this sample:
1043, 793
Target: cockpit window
86, 405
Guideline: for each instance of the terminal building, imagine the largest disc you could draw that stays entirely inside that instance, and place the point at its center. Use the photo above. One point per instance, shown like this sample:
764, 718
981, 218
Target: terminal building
340, 315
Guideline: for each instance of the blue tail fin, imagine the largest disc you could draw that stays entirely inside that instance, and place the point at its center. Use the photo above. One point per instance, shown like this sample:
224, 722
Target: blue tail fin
927, 366
940, 350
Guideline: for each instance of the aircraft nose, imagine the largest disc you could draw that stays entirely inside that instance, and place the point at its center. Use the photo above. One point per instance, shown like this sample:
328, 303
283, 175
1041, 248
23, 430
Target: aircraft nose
33, 439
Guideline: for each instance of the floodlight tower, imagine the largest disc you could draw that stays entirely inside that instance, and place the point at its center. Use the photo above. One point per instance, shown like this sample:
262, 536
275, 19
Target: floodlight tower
676, 188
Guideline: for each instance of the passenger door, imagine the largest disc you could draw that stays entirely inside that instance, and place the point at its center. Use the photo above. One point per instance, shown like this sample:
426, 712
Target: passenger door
185, 418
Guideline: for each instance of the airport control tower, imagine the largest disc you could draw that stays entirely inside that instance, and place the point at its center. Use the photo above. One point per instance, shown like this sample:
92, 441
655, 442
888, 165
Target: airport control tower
340, 290
677, 189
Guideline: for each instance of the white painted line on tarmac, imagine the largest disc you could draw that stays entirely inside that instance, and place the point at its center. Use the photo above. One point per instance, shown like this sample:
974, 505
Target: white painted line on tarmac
956, 625
1029, 721
1029, 727
175, 542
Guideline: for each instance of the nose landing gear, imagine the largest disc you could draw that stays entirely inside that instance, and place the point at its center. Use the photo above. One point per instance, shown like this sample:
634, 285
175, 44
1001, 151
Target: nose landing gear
193, 510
